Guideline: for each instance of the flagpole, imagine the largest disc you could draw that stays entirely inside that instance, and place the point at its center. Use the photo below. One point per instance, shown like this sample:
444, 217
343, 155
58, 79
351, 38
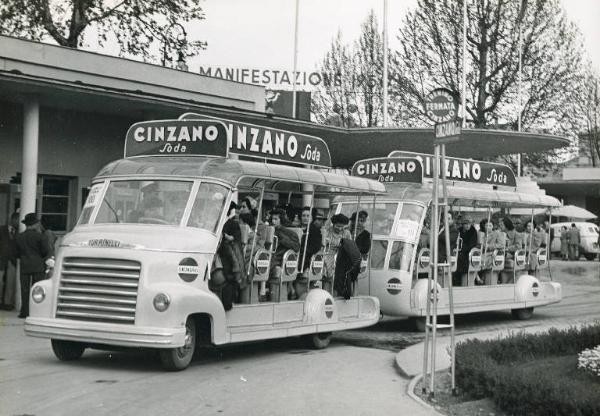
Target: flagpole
520, 98
385, 65
295, 60
464, 66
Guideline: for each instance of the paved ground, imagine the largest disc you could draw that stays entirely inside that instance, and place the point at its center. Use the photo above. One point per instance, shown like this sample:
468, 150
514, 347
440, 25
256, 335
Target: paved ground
356, 375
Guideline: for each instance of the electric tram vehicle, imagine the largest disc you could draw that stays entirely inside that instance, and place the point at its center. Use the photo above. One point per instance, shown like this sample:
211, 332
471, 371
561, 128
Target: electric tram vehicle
400, 259
138, 268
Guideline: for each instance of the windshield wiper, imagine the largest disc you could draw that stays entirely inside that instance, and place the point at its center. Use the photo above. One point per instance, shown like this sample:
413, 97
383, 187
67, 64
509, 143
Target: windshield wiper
112, 209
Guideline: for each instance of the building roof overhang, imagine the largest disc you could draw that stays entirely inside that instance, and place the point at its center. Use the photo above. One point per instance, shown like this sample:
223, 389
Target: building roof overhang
83, 81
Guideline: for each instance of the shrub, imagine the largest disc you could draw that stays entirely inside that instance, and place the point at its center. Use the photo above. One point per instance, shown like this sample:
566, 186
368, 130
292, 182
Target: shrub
533, 374
589, 360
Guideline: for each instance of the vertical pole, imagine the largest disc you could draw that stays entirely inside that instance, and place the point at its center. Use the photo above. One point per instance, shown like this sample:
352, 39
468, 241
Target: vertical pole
520, 82
295, 60
31, 123
434, 292
448, 272
432, 244
385, 65
253, 245
464, 66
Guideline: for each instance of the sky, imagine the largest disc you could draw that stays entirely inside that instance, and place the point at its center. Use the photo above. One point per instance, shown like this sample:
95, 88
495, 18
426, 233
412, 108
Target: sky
260, 33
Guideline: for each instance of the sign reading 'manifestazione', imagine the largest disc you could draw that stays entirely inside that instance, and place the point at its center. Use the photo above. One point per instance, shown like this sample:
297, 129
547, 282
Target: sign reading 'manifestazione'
390, 169
465, 170
275, 144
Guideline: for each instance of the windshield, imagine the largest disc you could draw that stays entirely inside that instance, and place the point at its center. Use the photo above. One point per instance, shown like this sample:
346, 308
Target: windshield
144, 202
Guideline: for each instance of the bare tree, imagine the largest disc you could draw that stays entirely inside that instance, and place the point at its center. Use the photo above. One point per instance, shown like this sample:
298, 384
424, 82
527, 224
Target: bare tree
136, 25
355, 97
589, 106
430, 56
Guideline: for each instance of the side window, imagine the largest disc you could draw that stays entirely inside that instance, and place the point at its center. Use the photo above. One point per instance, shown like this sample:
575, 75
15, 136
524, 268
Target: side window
208, 206
401, 255
378, 250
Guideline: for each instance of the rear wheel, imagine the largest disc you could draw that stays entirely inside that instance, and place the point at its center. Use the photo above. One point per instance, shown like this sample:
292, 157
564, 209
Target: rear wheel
590, 256
320, 340
420, 323
67, 350
176, 359
522, 314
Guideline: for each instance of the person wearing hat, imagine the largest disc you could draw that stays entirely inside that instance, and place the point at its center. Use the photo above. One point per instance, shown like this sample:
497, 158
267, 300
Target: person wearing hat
32, 249
468, 235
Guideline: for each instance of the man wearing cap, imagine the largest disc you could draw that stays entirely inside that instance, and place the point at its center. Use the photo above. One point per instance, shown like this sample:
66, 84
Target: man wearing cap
32, 249
468, 235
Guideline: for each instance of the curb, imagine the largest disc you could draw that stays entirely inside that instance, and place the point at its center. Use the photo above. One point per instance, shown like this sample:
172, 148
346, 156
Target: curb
410, 390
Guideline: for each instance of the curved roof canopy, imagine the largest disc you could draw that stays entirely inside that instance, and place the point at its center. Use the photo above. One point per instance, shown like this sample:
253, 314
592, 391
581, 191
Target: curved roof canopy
233, 171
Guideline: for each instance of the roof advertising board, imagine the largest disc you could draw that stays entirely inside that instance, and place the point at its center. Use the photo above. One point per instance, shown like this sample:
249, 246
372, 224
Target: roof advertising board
176, 137
274, 144
465, 170
390, 169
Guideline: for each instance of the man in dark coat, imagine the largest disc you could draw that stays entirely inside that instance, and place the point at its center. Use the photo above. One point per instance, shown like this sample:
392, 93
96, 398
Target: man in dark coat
468, 235
32, 249
363, 237
347, 263
8, 262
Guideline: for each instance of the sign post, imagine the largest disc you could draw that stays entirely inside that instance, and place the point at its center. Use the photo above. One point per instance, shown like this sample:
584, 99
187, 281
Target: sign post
441, 107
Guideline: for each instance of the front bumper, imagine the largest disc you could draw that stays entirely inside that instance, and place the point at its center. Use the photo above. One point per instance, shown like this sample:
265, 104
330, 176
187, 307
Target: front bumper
109, 334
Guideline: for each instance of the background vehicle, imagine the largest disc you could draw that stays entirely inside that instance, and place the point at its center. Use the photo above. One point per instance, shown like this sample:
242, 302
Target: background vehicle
589, 238
400, 258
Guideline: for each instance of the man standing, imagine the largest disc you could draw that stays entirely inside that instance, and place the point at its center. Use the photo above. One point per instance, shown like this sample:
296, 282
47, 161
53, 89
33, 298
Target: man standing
32, 249
8, 262
574, 240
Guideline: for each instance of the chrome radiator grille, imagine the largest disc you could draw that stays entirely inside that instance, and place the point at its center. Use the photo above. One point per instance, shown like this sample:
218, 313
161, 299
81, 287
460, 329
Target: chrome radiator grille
98, 290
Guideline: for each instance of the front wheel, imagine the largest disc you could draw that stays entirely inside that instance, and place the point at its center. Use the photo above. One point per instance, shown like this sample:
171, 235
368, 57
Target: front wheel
177, 359
319, 341
522, 314
67, 350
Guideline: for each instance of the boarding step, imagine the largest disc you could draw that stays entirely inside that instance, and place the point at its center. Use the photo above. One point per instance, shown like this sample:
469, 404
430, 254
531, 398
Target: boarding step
440, 326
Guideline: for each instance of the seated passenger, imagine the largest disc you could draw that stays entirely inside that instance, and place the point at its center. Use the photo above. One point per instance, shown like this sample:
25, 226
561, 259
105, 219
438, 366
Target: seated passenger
514, 242
489, 240
534, 239
315, 240
152, 209
363, 237
468, 234
286, 240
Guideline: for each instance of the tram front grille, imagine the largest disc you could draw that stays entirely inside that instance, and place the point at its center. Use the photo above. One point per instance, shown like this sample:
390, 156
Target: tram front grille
98, 290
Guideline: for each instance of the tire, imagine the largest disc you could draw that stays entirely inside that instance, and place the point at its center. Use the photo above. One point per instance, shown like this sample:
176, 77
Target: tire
177, 359
67, 350
522, 314
419, 323
590, 256
320, 340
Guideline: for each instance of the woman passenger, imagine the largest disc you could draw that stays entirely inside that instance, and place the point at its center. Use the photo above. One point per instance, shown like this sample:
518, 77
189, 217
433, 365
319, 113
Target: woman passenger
490, 240
514, 242
333, 236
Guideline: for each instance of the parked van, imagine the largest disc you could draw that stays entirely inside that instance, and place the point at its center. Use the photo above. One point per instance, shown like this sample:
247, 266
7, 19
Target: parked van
588, 232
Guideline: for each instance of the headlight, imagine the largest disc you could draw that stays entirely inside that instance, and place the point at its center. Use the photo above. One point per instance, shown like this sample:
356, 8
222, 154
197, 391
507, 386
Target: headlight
161, 302
38, 294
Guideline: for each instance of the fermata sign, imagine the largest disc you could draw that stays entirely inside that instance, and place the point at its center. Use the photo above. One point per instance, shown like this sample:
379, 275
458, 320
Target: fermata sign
176, 137
441, 106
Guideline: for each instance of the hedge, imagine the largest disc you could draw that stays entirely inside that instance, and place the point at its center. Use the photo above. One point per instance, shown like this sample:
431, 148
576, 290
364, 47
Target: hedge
499, 369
